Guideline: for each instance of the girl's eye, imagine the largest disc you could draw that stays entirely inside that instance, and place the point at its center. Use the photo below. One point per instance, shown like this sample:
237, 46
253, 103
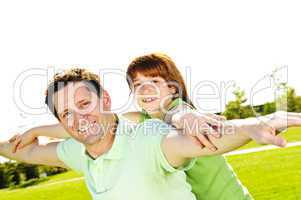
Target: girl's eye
155, 81
137, 85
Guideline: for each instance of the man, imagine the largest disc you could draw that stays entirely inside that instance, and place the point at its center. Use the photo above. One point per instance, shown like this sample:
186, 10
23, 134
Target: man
119, 162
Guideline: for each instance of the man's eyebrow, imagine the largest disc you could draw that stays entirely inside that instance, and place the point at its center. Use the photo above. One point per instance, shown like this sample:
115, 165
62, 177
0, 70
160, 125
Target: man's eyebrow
81, 101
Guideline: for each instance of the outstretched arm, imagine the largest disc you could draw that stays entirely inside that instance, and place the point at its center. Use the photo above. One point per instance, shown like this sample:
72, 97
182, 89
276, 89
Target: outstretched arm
53, 131
33, 154
237, 133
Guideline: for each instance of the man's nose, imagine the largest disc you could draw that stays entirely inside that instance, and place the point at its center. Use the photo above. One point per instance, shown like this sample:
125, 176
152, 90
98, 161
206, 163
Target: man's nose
79, 118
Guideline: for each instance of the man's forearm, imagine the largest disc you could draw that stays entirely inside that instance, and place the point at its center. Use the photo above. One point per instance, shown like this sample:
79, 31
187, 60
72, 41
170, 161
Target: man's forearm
239, 132
235, 135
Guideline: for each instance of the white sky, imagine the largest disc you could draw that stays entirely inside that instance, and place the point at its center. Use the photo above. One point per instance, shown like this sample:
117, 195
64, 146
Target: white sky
219, 40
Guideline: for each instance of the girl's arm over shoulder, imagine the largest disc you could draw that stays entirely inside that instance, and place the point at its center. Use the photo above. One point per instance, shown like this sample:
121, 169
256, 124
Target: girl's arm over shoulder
27, 138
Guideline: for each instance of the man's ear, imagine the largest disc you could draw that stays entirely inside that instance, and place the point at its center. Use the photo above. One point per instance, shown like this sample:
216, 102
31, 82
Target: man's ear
172, 90
107, 103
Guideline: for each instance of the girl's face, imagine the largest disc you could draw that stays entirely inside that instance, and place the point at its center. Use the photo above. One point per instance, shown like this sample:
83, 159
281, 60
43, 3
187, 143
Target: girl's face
152, 93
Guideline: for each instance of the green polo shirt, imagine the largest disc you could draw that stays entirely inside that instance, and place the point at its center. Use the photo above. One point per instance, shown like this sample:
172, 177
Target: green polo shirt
134, 168
211, 177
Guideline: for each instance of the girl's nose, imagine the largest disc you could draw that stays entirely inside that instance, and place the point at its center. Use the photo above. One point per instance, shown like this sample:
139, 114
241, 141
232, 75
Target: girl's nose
147, 88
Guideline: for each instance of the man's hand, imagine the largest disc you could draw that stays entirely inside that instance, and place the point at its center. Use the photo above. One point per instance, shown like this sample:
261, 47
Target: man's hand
236, 134
200, 127
270, 124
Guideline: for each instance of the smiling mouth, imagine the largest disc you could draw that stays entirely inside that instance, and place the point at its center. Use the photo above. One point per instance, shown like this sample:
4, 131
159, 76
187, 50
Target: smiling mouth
149, 99
87, 129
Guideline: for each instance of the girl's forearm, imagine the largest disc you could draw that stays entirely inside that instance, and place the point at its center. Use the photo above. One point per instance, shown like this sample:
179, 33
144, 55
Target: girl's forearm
54, 131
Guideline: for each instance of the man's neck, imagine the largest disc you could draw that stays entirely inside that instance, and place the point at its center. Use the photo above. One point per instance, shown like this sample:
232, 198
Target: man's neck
106, 143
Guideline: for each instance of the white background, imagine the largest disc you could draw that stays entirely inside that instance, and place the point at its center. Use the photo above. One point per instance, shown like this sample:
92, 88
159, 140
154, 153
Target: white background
219, 41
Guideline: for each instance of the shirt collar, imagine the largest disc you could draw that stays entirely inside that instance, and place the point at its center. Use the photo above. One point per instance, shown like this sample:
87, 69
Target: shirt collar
117, 150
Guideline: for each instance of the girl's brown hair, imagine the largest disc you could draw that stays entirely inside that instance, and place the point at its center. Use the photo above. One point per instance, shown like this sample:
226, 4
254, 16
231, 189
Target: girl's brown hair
158, 64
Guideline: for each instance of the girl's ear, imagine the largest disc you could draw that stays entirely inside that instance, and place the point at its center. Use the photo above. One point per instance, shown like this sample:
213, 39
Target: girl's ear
107, 103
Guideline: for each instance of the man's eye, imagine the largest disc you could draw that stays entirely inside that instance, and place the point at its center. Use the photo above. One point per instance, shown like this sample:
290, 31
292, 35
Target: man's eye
85, 104
67, 115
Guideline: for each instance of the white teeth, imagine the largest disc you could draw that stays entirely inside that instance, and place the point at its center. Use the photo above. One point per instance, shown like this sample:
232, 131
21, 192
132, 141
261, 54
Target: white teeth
86, 130
149, 99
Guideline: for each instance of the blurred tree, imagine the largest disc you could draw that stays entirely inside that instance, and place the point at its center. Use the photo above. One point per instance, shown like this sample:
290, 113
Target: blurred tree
236, 109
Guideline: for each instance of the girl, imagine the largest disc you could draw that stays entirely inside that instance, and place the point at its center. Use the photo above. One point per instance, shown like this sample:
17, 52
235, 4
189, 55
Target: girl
160, 92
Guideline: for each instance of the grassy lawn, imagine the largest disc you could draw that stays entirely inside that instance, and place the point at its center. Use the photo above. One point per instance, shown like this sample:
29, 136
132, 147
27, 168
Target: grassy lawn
61, 191
274, 174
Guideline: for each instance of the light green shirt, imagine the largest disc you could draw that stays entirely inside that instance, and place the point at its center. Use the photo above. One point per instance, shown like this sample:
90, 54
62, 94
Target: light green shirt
211, 177
134, 169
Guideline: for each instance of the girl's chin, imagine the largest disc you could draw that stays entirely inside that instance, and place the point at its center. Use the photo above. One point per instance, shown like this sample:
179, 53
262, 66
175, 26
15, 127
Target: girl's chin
151, 110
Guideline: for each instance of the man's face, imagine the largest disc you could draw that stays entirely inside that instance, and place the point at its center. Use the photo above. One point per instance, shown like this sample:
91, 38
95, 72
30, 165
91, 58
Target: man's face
82, 112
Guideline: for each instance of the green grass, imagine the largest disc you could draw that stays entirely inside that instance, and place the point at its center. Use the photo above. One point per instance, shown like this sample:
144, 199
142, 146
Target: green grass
274, 174
47, 190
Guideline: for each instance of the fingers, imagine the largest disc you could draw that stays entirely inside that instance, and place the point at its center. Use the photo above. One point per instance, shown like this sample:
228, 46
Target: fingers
206, 142
15, 141
12, 139
202, 133
272, 130
213, 121
16, 144
206, 129
271, 138
214, 131
275, 140
197, 142
20, 145
211, 125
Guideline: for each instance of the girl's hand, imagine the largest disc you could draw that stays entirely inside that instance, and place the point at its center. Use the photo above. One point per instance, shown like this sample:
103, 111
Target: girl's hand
23, 140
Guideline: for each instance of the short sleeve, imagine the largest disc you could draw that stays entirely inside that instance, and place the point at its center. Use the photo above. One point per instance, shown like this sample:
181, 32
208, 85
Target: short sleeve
70, 153
164, 162
154, 131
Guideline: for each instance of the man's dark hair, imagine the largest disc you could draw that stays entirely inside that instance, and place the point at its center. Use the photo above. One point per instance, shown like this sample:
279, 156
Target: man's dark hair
60, 80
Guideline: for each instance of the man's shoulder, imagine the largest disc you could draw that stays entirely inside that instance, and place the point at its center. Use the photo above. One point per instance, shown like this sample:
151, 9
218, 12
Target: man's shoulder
153, 127
70, 144
71, 153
